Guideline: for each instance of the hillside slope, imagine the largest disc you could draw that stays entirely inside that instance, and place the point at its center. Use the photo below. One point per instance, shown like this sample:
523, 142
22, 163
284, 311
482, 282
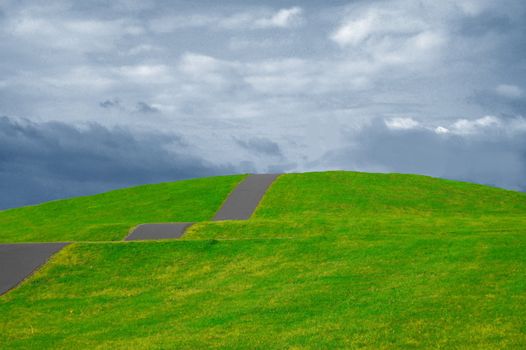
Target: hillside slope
329, 260
109, 216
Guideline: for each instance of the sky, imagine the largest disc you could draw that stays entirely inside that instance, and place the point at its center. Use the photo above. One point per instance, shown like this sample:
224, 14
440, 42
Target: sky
99, 95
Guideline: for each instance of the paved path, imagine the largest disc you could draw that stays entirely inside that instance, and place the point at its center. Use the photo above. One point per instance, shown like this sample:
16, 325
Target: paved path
243, 201
18, 261
158, 231
239, 205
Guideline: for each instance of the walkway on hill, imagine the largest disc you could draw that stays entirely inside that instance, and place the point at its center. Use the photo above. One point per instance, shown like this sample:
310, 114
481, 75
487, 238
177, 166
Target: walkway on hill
239, 205
18, 261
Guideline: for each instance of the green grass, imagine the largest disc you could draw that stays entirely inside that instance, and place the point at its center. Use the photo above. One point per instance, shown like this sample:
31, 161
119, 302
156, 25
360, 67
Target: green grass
341, 194
110, 216
330, 260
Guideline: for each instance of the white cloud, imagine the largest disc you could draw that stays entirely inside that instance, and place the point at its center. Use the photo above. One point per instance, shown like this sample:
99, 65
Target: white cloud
509, 91
144, 71
441, 130
494, 154
168, 24
355, 31
198, 65
284, 18
402, 123
375, 21
392, 60
204, 75
83, 77
465, 126
390, 34
77, 35
462, 126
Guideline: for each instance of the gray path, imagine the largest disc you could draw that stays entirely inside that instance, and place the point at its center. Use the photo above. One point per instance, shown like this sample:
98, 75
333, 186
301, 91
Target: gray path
158, 231
18, 261
239, 205
245, 198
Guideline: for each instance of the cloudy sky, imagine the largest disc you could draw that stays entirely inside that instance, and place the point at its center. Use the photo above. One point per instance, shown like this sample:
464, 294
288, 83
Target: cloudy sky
97, 95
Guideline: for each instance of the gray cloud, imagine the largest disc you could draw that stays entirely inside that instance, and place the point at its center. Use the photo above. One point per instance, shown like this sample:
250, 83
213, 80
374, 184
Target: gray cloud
490, 151
44, 161
500, 102
235, 70
485, 23
143, 107
260, 145
110, 103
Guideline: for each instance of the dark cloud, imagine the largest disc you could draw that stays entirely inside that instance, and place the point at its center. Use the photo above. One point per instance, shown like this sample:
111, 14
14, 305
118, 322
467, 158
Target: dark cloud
110, 103
260, 145
493, 156
485, 23
143, 107
44, 161
493, 102
216, 76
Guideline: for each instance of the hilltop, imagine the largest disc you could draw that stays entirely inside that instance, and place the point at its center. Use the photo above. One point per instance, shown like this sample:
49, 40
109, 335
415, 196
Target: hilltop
328, 260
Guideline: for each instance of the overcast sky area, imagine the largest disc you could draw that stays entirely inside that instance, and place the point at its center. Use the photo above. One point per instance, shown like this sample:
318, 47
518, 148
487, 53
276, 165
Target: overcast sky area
98, 95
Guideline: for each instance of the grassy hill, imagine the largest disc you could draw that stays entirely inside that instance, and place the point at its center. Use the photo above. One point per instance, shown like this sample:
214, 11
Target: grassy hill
329, 260
110, 216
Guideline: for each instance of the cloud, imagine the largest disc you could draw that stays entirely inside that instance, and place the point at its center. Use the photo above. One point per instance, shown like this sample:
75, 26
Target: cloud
80, 77
402, 123
486, 23
504, 99
509, 91
143, 107
369, 22
199, 65
390, 34
108, 104
294, 76
441, 130
374, 21
487, 150
44, 161
253, 20
260, 145
41, 27
465, 126
284, 18
145, 73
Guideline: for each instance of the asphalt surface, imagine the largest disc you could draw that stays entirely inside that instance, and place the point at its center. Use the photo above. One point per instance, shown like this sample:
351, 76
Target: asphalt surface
243, 201
18, 261
239, 205
158, 231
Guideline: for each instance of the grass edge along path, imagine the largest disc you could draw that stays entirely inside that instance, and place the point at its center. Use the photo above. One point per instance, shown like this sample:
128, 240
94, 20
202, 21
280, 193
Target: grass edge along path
111, 215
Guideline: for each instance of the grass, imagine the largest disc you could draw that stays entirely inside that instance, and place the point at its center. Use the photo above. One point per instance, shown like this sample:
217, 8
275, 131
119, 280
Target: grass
341, 194
110, 216
330, 260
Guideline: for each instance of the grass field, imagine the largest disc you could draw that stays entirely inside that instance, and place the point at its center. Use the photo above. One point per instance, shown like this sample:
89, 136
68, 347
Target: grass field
109, 216
329, 260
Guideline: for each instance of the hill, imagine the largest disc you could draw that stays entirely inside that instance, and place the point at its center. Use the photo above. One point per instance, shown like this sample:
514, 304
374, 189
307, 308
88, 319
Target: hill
109, 216
328, 260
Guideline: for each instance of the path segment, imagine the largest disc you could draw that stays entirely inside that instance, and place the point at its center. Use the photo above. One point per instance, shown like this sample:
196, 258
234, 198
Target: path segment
243, 201
18, 261
158, 231
239, 205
